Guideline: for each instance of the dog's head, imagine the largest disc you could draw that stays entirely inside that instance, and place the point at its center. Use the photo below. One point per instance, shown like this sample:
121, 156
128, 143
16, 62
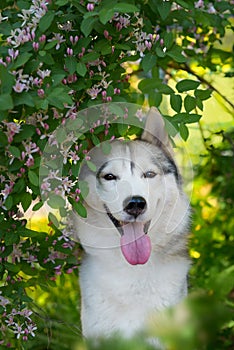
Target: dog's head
134, 188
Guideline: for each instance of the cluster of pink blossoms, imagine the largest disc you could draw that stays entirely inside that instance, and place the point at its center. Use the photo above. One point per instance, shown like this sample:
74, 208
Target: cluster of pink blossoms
31, 18
18, 320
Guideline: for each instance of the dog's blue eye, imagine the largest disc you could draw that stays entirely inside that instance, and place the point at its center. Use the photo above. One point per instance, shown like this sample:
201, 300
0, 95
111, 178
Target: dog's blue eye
109, 177
149, 174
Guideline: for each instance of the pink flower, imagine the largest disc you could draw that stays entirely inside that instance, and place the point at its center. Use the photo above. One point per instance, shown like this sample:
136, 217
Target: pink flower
41, 93
35, 46
13, 53
43, 73
199, 4
93, 92
7, 190
59, 38
69, 51
19, 87
90, 7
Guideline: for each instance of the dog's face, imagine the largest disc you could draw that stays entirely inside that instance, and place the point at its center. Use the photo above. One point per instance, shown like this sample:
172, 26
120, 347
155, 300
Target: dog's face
135, 188
129, 181
130, 188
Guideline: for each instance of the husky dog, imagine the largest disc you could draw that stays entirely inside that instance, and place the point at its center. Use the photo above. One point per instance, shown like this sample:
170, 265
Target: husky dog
135, 234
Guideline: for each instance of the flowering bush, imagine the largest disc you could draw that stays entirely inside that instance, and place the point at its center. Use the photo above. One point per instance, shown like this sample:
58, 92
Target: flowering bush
57, 59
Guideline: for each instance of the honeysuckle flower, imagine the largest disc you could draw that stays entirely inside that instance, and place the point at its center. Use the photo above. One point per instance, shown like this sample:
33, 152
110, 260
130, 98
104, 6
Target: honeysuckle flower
19, 87
18, 330
6, 191
43, 73
93, 92
199, 4
59, 38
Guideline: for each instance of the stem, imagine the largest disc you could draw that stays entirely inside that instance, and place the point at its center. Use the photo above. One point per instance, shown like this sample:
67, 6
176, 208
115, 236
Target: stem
203, 137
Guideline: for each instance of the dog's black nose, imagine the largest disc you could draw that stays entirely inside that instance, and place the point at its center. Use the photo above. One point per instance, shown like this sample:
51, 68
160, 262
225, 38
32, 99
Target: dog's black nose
135, 205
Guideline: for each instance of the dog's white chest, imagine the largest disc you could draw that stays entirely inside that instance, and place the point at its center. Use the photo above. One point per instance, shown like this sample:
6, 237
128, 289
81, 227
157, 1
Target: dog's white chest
121, 298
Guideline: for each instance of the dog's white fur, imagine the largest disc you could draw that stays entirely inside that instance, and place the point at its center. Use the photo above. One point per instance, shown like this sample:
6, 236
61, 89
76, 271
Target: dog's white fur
118, 296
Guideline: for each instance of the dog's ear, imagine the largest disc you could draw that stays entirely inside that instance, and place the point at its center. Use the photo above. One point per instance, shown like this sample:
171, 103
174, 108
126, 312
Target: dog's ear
154, 131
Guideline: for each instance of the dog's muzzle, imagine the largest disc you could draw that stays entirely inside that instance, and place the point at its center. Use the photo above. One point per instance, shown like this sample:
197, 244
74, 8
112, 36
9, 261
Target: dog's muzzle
135, 243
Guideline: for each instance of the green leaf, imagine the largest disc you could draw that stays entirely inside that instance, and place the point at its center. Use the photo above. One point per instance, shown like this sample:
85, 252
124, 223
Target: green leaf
19, 186
203, 94
74, 125
37, 206
33, 178
26, 200
199, 103
48, 46
14, 151
25, 232
106, 15
122, 129
58, 97
165, 89
116, 110
146, 85
123, 47
6, 102
184, 4
12, 267
3, 139
91, 165
176, 54
71, 63
87, 25
168, 39
159, 51
95, 140
89, 57
164, 8
55, 201
223, 281
46, 21
184, 131
109, 9
148, 62
25, 133
186, 118
81, 69
122, 7
61, 134
52, 218
186, 85
24, 98
62, 2
57, 78
79, 208
84, 188
176, 102
27, 269
8, 202
22, 59
7, 80
154, 98
189, 103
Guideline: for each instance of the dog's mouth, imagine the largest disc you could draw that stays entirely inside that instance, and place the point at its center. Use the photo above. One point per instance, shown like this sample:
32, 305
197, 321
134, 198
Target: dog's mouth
134, 241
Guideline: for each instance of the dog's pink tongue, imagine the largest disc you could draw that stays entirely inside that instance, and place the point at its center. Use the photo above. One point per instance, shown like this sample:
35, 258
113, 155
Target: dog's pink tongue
135, 244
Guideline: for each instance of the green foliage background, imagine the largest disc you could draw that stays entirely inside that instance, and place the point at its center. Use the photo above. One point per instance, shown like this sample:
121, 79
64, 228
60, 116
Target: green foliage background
185, 69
